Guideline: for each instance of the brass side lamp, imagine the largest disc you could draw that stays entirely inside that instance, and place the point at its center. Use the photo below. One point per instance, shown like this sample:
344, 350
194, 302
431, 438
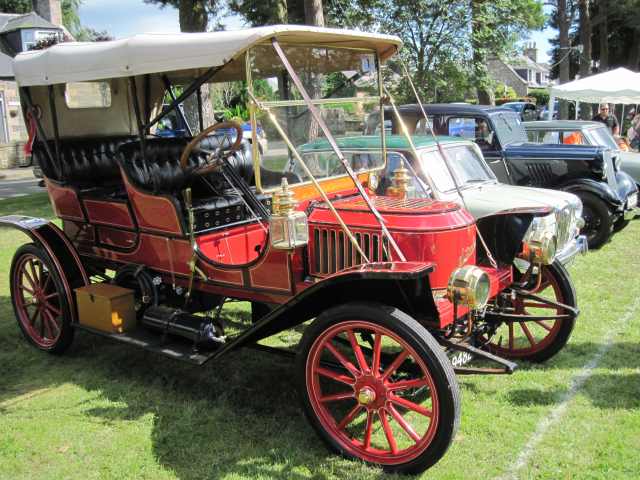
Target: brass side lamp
288, 228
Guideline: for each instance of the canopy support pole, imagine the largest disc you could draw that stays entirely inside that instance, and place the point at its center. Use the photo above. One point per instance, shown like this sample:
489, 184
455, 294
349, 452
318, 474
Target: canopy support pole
195, 85
54, 121
169, 87
42, 138
550, 108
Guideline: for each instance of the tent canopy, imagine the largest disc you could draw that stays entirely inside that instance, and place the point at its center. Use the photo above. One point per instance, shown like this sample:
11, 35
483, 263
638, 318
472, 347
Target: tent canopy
151, 53
615, 86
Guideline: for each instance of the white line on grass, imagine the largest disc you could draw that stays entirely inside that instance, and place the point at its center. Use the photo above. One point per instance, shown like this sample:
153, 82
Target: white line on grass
576, 384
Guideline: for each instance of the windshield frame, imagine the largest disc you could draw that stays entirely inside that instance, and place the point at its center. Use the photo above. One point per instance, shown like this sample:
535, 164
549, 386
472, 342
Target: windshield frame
361, 101
458, 183
594, 140
517, 134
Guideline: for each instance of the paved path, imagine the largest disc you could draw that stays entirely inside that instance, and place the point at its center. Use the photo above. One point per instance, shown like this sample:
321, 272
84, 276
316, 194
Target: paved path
11, 188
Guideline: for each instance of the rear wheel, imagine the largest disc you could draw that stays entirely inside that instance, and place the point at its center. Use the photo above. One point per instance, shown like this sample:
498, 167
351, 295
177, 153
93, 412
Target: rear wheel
39, 300
376, 386
539, 340
598, 221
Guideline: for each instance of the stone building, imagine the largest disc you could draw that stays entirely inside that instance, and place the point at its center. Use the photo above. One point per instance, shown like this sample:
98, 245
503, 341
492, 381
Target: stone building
18, 33
522, 72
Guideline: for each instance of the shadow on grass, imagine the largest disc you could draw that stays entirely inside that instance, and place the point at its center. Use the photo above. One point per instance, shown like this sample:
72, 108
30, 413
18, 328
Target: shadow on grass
238, 416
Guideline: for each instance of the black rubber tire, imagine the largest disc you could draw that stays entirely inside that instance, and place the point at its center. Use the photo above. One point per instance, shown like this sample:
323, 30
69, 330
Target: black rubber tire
423, 343
600, 211
66, 337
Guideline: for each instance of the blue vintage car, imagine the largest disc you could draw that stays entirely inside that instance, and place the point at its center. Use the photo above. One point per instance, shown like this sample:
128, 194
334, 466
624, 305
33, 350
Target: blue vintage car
609, 196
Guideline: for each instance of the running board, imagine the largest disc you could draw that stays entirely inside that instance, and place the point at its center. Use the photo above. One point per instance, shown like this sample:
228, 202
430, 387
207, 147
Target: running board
175, 349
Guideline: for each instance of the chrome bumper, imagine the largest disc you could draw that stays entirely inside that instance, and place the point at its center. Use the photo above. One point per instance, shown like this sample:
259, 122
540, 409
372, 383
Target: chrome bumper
573, 248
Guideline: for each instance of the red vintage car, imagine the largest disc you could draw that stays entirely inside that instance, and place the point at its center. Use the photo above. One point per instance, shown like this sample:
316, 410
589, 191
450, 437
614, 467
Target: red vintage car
395, 294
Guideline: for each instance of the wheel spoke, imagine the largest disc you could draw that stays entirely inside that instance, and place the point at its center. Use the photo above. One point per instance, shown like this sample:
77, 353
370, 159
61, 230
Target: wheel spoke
402, 356
34, 271
46, 320
345, 363
368, 430
511, 339
403, 402
387, 431
52, 322
335, 376
538, 305
32, 319
406, 426
28, 277
377, 347
405, 384
55, 310
337, 396
349, 417
362, 362
28, 290
544, 325
46, 283
527, 332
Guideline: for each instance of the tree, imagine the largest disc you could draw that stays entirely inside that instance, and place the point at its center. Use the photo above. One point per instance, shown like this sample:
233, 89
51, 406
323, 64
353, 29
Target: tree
585, 55
195, 16
313, 13
496, 25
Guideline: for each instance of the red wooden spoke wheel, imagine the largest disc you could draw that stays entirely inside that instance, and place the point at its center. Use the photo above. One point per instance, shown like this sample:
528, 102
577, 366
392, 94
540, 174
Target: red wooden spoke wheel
377, 387
39, 300
539, 340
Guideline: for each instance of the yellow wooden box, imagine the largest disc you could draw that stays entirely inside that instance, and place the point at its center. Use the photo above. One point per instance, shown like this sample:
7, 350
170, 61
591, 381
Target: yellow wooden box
106, 307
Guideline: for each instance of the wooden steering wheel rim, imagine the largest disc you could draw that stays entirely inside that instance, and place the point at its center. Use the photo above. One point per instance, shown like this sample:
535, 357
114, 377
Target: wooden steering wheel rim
184, 158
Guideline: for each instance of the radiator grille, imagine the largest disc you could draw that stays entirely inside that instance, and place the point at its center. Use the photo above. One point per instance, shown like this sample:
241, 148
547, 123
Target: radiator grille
540, 173
332, 250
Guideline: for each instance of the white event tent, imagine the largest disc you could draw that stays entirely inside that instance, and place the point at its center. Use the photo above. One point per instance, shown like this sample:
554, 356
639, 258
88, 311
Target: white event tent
615, 86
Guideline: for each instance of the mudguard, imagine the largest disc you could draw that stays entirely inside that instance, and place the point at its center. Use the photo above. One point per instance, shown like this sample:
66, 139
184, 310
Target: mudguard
404, 285
63, 254
599, 189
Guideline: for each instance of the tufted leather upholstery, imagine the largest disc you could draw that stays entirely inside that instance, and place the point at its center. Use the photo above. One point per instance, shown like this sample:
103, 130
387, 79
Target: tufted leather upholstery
160, 171
86, 163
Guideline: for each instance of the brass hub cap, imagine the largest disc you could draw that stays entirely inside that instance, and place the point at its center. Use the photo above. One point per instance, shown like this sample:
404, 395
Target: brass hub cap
366, 395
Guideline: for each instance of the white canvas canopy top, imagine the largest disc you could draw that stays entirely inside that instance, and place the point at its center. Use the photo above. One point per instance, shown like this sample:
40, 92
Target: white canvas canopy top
151, 53
615, 86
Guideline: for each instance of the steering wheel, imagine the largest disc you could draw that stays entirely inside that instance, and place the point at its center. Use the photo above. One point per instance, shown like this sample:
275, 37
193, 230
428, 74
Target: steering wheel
212, 161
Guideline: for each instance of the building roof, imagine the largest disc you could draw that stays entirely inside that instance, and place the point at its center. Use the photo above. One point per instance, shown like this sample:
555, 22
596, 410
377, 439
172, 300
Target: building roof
6, 67
153, 53
372, 142
523, 61
28, 20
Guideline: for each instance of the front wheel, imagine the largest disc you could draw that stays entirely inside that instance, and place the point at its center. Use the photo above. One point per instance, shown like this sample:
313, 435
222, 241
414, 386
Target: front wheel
39, 300
539, 340
620, 224
598, 221
376, 386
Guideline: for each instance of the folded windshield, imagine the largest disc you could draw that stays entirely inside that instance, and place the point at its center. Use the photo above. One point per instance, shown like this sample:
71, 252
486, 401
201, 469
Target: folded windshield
465, 162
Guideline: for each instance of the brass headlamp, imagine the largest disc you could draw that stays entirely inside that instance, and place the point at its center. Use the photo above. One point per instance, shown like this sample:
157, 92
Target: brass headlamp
470, 286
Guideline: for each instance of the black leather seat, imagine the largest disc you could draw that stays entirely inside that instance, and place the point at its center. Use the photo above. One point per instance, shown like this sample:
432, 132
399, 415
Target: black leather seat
160, 171
90, 165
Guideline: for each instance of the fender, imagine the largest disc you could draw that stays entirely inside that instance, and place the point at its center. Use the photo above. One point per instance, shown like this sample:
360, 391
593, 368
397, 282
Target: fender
63, 254
626, 184
599, 189
404, 285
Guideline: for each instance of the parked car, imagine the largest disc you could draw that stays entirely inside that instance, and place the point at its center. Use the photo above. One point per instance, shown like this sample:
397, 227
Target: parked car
504, 214
393, 297
609, 196
585, 133
527, 111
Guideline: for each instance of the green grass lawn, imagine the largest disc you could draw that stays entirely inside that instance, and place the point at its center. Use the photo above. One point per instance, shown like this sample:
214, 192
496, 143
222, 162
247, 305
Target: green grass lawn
108, 411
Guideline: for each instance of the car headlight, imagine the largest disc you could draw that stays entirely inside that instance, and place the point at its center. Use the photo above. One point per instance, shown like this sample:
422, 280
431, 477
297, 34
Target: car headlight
540, 243
470, 286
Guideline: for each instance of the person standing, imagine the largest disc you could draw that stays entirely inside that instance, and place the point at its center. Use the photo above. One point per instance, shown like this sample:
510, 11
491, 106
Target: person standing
603, 116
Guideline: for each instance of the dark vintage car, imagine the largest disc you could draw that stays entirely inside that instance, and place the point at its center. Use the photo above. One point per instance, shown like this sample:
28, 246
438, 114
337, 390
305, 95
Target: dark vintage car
609, 195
